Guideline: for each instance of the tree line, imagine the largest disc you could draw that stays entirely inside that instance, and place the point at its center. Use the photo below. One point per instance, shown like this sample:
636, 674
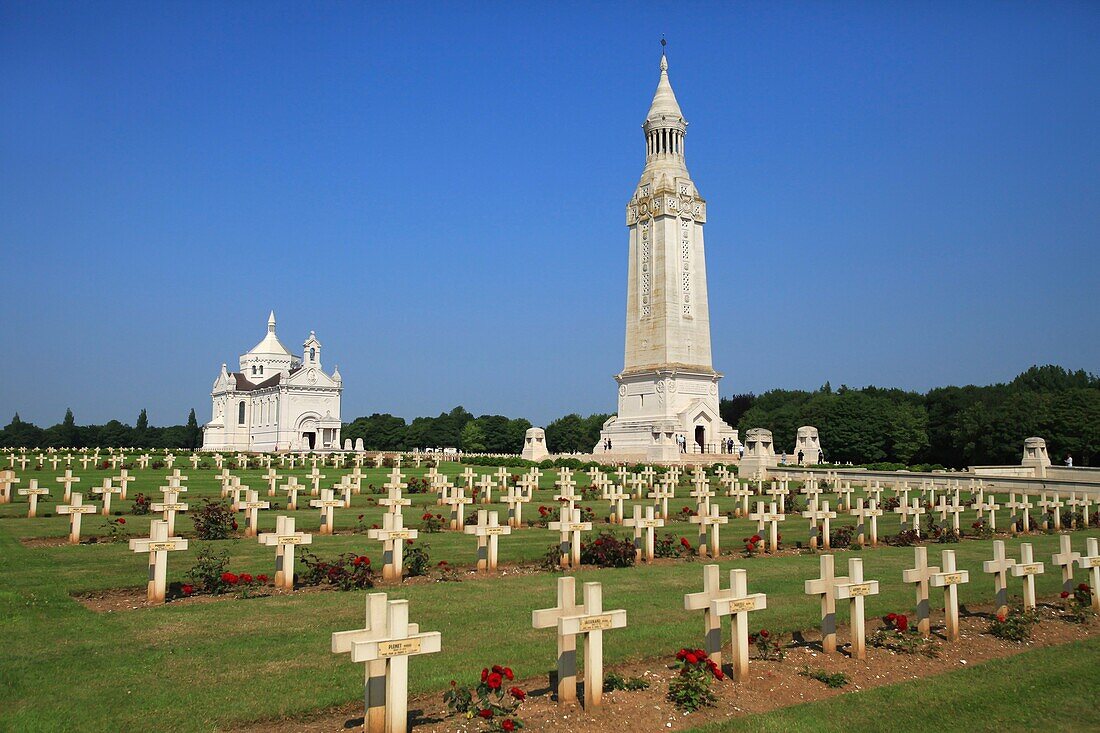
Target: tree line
113, 434
948, 426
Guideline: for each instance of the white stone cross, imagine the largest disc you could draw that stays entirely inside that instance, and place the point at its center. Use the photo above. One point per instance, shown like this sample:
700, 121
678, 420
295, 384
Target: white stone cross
158, 545
374, 686
566, 486
395, 649
168, 507
866, 515
242, 460
816, 514
1091, 563
709, 524
569, 527
170, 460
327, 504
954, 509
772, 517
54, 461
292, 487
949, 580
315, 477
252, 506
999, 567
485, 485
219, 460
616, 496
845, 492
226, 479
661, 493
989, 504
515, 499
920, 576
910, 515
856, 590
84, 461
272, 477
488, 531
547, 618
68, 480
591, 622
123, 479
1020, 523
106, 491
75, 509
1065, 558
644, 548
1027, 569
457, 501
32, 492
7, 480
236, 489
194, 461
393, 535
712, 620
1074, 504
468, 477
825, 587
284, 539
503, 477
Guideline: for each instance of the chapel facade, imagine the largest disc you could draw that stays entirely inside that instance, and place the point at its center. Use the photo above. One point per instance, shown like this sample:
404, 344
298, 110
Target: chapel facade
277, 401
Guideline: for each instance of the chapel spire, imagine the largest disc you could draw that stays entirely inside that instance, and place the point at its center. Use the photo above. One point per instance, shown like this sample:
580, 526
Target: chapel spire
665, 126
271, 322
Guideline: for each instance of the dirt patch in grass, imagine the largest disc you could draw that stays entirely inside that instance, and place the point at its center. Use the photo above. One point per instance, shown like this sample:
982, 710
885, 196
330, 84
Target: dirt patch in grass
771, 685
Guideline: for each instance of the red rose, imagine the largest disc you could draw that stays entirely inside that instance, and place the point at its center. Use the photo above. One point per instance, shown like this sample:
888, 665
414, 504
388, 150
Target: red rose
234, 524
246, 577
684, 542
690, 658
518, 694
229, 578
509, 674
508, 725
1083, 586
891, 617
1001, 617
498, 669
719, 675
495, 681
427, 516
764, 633
485, 713
121, 520
262, 578
903, 623
1065, 594
188, 589
484, 674
408, 542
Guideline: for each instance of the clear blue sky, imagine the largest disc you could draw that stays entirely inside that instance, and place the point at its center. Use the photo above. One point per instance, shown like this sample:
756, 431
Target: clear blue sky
900, 194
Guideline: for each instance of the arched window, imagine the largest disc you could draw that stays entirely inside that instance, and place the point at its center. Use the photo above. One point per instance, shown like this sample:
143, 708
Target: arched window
253, 370
261, 370
312, 354
240, 413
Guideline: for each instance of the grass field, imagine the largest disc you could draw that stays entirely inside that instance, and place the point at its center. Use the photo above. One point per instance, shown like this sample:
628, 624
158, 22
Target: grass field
200, 666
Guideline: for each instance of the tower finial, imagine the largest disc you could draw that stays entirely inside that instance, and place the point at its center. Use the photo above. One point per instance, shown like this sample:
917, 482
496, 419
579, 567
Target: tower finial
271, 322
664, 61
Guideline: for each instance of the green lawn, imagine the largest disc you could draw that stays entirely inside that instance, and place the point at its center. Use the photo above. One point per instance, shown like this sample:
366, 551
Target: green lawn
1046, 689
202, 666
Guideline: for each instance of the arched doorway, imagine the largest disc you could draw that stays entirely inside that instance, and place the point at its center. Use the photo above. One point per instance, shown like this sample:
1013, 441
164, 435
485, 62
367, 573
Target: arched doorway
701, 438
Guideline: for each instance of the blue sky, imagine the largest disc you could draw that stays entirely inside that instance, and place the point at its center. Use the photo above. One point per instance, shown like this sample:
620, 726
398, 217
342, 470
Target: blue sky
900, 194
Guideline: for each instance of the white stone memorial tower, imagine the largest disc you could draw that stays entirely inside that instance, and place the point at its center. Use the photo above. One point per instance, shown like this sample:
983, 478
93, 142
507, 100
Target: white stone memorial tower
668, 389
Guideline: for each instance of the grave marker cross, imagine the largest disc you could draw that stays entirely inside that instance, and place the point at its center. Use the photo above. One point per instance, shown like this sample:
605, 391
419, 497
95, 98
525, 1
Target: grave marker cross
393, 536
855, 590
999, 567
284, 539
68, 480
1027, 569
158, 545
949, 580
75, 509
825, 587
1091, 563
644, 549
592, 622
920, 576
488, 531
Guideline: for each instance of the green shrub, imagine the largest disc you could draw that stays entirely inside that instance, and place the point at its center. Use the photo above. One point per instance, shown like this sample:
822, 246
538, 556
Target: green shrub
835, 680
214, 520
1014, 626
690, 689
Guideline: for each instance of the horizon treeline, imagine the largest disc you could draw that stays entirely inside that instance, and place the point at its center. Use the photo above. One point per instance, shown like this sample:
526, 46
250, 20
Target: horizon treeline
949, 426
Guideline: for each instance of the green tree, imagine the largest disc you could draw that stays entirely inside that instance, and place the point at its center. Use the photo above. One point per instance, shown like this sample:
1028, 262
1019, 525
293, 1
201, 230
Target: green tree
473, 438
192, 437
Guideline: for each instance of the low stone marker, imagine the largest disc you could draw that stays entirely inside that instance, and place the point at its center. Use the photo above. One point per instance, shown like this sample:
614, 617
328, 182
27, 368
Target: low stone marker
569, 526
591, 622
949, 580
548, 618
819, 514
315, 477
123, 480
374, 687
1091, 564
515, 499
665, 490
393, 534
1065, 558
999, 568
32, 492
866, 515
68, 480
485, 485
327, 504
1027, 569
738, 605
169, 507
488, 531
772, 518
272, 478
910, 510
7, 480
825, 587
856, 589
644, 549
989, 504
393, 648
75, 509
920, 577
712, 621
457, 501
158, 545
284, 539
616, 496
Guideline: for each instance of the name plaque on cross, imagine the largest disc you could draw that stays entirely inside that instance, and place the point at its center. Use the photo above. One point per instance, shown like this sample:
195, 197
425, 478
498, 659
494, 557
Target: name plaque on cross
289, 540
952, 579
397, 648
495, 530
859, 590
1030, 569
742, 604
596, 623
401, 535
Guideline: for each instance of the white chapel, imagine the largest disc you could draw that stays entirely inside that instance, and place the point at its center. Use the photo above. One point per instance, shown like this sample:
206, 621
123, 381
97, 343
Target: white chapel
668, 388
276, 402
